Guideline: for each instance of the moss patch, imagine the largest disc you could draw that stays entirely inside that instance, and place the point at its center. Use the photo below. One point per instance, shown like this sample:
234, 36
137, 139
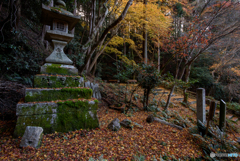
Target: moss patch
56, 69
69, 116
41, 81
36, 109
63, 94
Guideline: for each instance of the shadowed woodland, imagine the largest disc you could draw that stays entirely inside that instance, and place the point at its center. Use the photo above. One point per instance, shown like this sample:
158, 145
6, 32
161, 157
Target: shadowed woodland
149, 58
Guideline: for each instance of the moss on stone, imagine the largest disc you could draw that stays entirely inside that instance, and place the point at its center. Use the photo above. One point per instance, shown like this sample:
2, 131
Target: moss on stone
24, 121
70, 115
63, 94
54, 69
81, 118
36, 109
57, 81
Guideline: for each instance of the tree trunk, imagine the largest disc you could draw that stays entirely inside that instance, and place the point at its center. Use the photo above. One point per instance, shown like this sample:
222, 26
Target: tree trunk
169, 97
173, 87
74, 13
159, 57
18, 5
186, 80
124, 46
104, 34
45, 28
98, 54
94, 69
145, 36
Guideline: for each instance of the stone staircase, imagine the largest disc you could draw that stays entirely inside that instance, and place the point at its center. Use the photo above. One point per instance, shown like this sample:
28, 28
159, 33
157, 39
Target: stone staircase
57, 103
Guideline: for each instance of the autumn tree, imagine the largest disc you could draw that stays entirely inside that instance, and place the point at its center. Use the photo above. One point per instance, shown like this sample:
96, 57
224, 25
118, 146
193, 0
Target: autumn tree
209, 25
98, 31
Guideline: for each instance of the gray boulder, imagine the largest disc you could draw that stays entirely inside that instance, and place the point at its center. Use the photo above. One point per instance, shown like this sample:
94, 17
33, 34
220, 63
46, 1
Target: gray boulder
32, 137
137, 125
130, 124
126, 123
95, 89
114, 125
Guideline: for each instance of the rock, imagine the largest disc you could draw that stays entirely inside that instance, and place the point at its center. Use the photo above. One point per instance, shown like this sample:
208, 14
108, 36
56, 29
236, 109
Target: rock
137, 125
202, 129
177, 99
32, 137
201, 142
114, 125
95, 89
127, 124
167, 123
150, 119
193, 102
193, 130
238, 140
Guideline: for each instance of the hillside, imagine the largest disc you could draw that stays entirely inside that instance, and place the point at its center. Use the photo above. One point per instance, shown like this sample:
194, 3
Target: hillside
146, 139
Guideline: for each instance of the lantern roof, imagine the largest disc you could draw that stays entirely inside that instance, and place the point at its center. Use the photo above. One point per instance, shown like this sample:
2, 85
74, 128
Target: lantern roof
50, 13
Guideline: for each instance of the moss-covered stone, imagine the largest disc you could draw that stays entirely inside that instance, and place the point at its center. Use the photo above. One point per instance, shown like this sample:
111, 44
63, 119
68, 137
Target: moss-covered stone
62, 116
33, 95
61, 69
28, 109
24, 121
48, 81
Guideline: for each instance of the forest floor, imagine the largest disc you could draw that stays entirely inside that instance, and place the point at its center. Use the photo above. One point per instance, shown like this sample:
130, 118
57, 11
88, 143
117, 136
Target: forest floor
154, 139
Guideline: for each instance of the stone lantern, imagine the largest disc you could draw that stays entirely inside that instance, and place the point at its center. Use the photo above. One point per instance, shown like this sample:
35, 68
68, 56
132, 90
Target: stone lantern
61, 21
59, 101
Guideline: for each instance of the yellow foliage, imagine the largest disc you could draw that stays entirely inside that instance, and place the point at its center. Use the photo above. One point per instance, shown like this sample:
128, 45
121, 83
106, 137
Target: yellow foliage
152, 15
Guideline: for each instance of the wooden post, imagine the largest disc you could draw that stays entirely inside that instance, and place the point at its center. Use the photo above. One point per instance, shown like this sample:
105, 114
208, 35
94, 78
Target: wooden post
222, 115
213, 106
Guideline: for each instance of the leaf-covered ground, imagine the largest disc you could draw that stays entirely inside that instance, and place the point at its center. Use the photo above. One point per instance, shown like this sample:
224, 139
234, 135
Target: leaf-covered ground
153, 139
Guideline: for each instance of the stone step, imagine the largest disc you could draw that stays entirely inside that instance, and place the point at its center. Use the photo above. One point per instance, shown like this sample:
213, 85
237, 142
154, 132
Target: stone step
157, 89
235, 119
60, 116
164, 92
51, 94
178, 99
193, 102
229, 116
57, 81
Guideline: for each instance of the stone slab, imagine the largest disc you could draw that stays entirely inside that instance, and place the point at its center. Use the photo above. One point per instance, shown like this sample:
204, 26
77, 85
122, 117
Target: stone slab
177, 99
201, 106
61, 69
58, 35
157, 89
164, 92
51, 94
32, 137
193, 102
62, 117
29, 109
49, 81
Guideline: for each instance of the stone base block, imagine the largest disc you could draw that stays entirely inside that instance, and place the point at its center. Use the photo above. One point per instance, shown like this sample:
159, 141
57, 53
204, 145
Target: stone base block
60, 116
60, 69
48, 81
46, 94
